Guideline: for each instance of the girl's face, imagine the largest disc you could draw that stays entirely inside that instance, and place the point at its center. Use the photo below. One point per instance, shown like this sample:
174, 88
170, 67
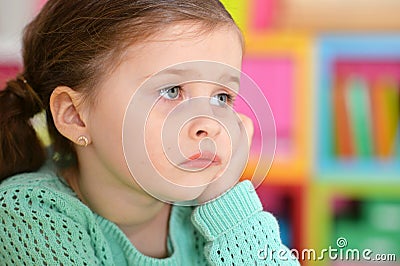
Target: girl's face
158, 127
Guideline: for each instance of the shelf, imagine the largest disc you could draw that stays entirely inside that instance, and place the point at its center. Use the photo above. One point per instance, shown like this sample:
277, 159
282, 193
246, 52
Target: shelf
287, 203
360, 166
337, 207
280, 64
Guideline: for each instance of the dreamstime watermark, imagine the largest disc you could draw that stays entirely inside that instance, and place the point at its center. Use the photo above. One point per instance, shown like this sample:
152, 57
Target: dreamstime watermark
339, 253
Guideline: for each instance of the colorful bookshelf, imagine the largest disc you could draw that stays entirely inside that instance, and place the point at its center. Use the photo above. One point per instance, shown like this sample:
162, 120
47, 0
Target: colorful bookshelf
358, 108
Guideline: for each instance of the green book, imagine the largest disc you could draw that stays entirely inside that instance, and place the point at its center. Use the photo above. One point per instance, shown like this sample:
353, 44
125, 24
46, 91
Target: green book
359, 110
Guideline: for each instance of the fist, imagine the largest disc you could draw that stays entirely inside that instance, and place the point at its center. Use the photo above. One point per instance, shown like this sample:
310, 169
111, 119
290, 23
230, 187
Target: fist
228, 177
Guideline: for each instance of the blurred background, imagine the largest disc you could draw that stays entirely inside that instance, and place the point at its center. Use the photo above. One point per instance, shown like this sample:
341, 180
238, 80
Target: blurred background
330, 70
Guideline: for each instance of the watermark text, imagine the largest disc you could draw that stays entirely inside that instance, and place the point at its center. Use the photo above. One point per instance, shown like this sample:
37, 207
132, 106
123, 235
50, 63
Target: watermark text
339, 253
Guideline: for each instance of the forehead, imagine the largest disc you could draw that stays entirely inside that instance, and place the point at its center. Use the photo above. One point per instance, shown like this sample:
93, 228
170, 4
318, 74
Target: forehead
182, 43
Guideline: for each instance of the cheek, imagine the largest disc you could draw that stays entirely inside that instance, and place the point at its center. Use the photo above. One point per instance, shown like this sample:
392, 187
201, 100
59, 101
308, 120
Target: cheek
105, 125
225, 148
106, 131
152, 138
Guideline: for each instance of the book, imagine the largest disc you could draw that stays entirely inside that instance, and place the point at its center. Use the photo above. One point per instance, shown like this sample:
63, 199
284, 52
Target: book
385, 109
342, 137
358, 108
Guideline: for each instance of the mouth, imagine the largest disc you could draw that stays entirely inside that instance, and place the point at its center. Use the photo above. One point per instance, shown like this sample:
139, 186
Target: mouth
201, 160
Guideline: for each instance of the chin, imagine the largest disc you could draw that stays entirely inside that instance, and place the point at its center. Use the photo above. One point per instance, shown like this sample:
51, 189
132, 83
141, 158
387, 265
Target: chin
199, 179
180, 193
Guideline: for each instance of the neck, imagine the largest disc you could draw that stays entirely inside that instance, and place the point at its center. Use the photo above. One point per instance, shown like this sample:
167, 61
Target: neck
142, 218
146, 236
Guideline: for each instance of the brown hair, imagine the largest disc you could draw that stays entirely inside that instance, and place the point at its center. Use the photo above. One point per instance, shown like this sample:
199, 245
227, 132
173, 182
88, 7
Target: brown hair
74, 43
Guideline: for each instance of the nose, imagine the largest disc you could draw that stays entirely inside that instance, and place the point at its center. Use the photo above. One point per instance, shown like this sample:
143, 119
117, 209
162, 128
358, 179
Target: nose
203, 127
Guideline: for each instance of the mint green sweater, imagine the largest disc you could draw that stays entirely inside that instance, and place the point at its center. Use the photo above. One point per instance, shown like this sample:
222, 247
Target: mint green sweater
42, 222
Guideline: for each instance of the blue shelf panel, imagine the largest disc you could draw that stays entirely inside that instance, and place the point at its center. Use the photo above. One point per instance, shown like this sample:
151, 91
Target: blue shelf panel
352, 47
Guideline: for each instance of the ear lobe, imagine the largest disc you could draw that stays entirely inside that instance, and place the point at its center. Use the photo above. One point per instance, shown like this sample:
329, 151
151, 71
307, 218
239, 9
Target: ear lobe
67, 116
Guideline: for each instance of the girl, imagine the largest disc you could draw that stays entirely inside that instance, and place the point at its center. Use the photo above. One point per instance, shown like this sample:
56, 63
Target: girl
83, 61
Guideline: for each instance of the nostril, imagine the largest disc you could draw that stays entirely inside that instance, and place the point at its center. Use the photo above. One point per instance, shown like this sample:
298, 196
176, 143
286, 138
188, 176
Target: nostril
201, 133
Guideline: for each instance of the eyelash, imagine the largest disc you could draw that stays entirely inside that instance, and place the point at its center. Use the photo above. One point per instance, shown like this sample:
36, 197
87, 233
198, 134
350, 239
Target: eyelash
230, 97
164, 92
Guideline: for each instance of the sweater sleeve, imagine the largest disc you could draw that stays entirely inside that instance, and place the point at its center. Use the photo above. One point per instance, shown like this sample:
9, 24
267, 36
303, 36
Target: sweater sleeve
37, 228
239, 232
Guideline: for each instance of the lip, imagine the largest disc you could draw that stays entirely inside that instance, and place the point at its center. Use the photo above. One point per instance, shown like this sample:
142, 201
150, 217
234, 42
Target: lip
201, 160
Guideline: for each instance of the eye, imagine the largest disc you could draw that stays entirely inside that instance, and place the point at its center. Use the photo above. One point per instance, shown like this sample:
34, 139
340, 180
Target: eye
171, 93
221, 99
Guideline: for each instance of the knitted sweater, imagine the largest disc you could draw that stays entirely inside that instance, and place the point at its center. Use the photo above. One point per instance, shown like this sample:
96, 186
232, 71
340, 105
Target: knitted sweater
42, 222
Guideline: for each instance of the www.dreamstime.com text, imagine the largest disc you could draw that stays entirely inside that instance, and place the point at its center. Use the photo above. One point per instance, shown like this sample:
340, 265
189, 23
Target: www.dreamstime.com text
339, 253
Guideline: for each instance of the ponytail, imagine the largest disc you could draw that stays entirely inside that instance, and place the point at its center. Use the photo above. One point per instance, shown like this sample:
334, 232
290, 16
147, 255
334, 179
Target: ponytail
20, 148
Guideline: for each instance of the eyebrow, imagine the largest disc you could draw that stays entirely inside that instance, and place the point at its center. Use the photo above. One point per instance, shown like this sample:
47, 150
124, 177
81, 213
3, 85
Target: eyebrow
172, 71
224, 78
230, 78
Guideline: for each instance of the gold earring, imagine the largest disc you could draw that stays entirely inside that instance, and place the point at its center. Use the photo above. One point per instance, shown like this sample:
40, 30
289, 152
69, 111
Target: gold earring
83, 141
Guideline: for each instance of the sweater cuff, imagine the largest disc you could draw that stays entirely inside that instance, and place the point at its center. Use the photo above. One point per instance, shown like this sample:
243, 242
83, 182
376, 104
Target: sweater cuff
217, 216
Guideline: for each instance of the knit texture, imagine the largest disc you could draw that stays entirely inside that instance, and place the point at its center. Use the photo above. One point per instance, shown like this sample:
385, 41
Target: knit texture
42, 222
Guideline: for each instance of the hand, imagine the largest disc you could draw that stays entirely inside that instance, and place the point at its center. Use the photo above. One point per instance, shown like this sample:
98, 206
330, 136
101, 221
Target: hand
232, 173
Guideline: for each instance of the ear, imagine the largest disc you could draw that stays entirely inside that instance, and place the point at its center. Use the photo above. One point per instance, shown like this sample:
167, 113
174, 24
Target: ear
68, 114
